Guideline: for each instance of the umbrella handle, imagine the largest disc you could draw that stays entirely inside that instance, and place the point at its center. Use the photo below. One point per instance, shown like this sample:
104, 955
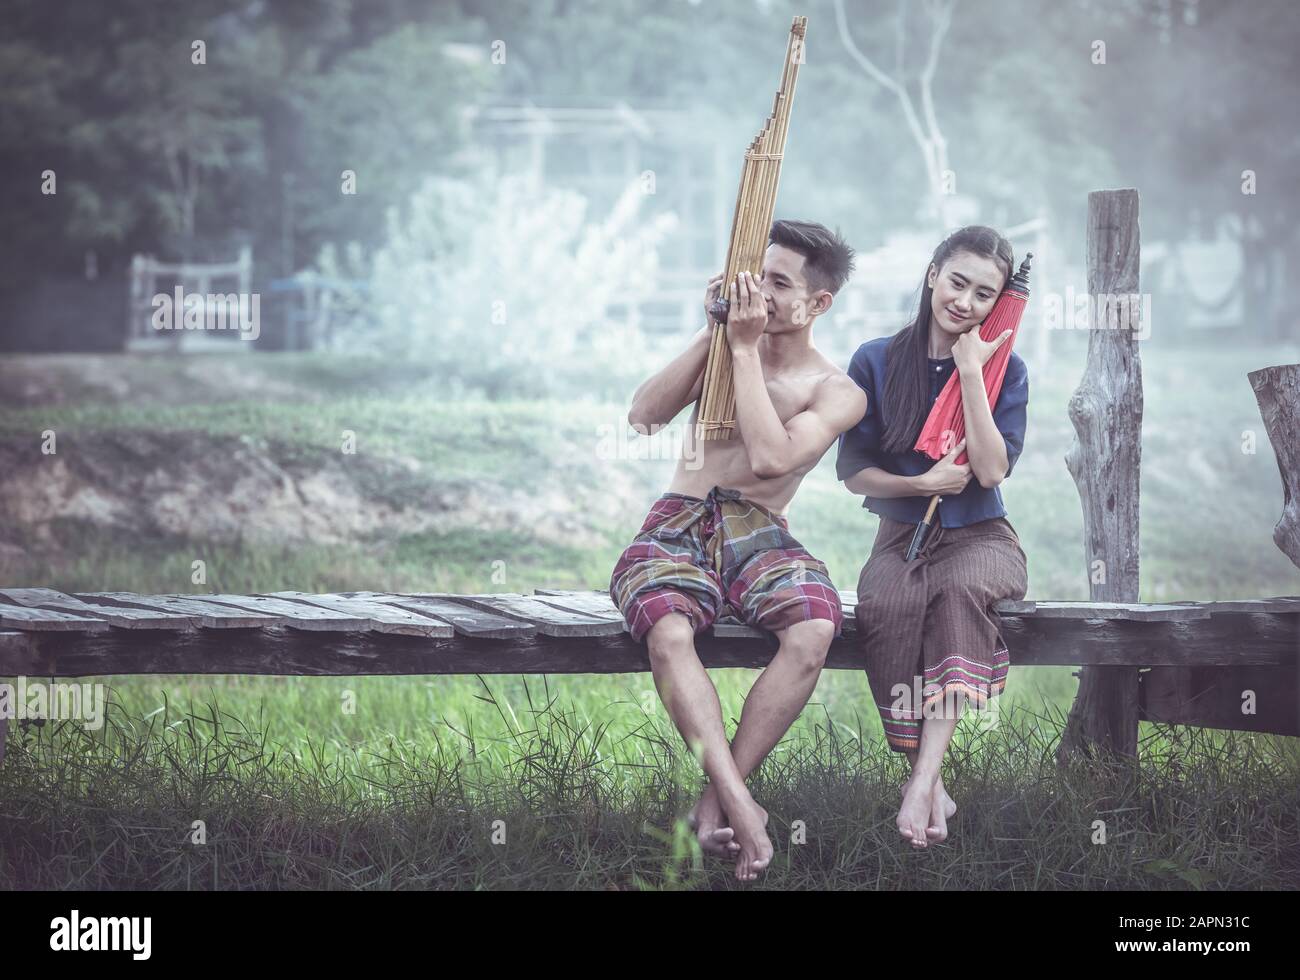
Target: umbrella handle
918, 536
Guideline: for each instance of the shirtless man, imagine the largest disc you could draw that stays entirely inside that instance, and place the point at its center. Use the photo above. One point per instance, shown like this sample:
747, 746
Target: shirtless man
718, 541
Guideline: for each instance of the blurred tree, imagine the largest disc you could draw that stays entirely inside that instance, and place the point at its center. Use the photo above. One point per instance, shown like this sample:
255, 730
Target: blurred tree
919, 112
1218, 85
154, 152
503, 284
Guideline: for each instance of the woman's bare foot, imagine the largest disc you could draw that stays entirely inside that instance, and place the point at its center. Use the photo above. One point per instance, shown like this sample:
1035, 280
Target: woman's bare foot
941, 811
937, 831
942, 808
914, 814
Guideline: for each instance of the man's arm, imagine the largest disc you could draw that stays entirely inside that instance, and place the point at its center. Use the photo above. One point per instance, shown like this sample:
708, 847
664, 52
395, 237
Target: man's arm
775, 449
667, 392
664, 394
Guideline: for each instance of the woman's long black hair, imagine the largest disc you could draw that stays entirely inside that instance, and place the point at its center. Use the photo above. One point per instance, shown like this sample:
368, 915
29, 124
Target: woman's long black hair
907, 368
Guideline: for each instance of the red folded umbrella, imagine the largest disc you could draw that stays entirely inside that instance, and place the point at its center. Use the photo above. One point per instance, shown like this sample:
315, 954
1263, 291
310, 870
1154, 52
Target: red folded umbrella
946, 424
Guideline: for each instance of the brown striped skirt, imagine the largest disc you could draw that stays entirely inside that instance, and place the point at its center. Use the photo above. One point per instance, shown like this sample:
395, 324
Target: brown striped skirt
930, 635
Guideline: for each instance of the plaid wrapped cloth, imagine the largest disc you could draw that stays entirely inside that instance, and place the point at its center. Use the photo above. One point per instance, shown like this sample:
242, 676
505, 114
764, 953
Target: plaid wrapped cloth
719, 556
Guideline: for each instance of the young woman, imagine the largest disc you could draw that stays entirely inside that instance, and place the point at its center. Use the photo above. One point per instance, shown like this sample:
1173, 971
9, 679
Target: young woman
927, 626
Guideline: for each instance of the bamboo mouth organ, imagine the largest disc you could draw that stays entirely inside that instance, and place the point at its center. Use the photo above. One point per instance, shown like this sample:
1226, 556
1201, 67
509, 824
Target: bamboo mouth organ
751, 225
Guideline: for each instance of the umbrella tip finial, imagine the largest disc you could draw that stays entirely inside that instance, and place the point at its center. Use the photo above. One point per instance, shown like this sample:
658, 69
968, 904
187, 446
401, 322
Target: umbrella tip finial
1020, 281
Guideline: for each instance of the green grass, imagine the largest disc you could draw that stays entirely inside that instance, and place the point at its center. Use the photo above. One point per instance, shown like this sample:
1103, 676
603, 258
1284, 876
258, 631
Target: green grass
415, 789
585, 771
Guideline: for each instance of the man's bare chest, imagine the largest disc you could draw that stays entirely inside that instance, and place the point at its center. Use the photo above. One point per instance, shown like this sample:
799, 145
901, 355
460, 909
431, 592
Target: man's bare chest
790, 396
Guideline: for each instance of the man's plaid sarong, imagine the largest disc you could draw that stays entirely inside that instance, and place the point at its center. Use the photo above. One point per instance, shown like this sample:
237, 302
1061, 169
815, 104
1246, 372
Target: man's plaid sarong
719, 556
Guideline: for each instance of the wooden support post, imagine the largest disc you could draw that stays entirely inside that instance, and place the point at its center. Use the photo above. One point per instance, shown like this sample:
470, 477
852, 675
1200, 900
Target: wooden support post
1277, 390
4, 737
1105, 462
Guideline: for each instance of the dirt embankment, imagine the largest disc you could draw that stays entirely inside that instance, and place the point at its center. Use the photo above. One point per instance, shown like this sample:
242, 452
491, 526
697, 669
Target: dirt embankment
142, 485
242, 489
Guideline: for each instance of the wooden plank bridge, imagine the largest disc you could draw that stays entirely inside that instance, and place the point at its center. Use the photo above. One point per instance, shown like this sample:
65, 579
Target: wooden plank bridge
46, 633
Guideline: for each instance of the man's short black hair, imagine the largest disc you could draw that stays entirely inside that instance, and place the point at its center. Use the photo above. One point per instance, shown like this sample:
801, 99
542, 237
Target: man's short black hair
828, 259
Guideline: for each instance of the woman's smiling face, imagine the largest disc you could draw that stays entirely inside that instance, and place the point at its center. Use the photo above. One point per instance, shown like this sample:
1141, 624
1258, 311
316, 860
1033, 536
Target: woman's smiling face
964, 291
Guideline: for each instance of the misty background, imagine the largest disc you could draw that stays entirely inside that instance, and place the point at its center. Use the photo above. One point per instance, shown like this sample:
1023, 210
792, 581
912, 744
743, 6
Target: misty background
474, 228
491, 141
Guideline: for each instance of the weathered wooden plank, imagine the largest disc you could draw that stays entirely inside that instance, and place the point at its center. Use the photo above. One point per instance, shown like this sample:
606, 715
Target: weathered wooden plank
18, 654
1218, 697
280, 650
1230, 639
296, 615
382, 618
13, 616
1276, 605
466, 620
1015, 607
209, 615
121, 616
589, 603
1150, 612
549, 620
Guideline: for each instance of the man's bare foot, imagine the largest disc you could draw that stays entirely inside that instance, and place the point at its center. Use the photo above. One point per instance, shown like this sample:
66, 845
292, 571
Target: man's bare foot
710, 825
750, 823
712, 828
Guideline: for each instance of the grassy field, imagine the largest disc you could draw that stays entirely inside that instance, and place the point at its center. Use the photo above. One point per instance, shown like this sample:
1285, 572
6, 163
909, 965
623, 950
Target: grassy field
451, 491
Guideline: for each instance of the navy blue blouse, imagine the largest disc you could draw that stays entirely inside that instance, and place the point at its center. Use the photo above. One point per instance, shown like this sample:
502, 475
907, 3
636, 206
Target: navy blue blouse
860, 446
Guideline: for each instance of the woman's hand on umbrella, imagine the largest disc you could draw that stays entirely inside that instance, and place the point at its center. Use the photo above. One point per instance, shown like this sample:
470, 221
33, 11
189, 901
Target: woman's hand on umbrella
970, 352
946, 477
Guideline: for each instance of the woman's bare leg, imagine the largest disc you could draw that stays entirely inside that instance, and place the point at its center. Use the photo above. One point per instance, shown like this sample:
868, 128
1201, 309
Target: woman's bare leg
917, 811
943, 807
